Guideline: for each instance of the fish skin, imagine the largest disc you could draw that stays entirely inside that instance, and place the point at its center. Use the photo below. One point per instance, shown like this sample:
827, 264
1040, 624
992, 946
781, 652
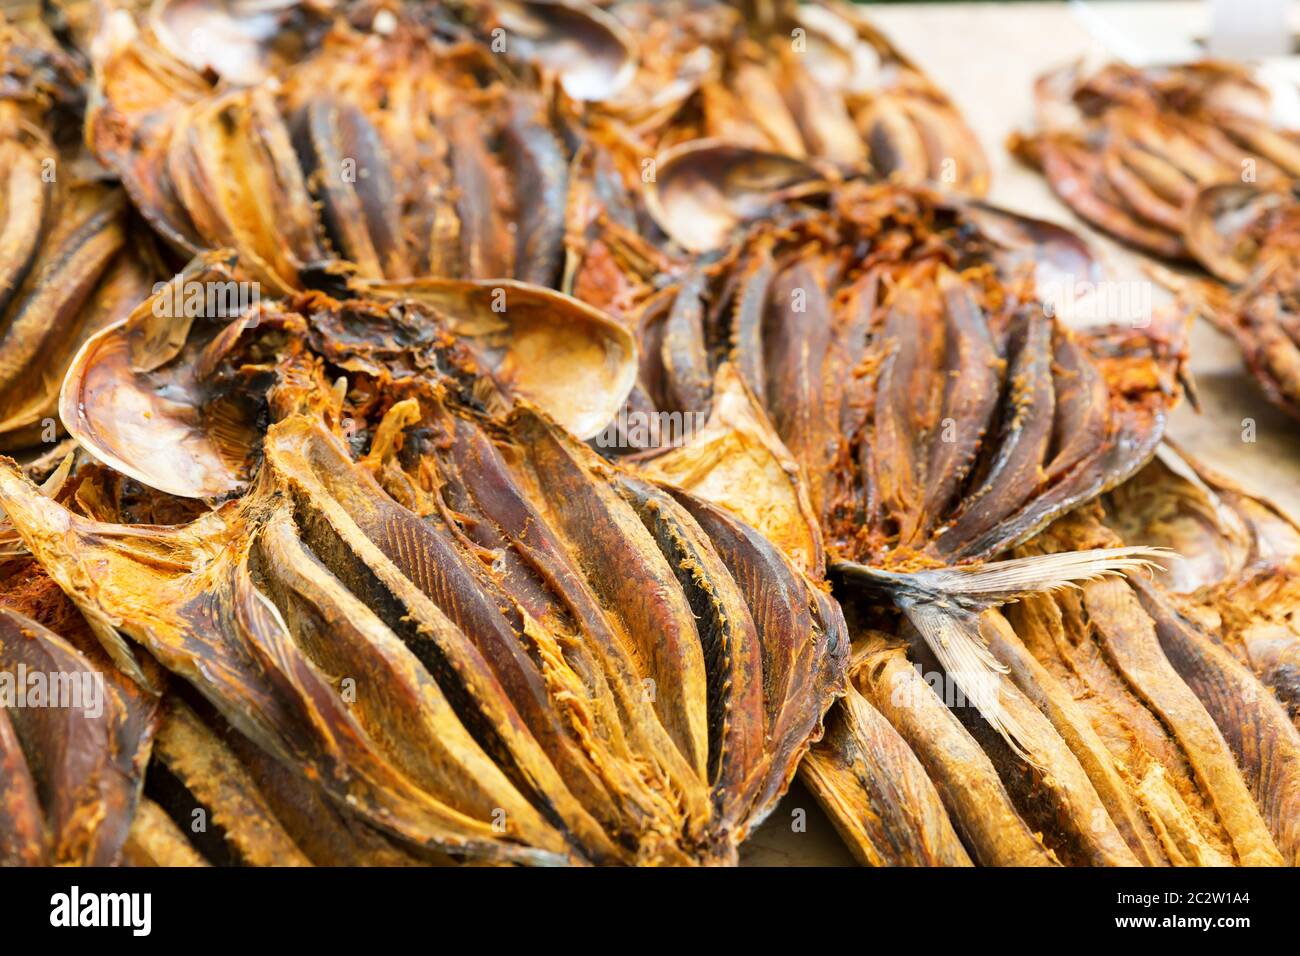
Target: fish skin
971, 391
1263, 740
729, 640
1130, 638
23, 837
877, 794
800, 677
683, 353
971, 790
541, 184
1025, 432
89, 769
604, 534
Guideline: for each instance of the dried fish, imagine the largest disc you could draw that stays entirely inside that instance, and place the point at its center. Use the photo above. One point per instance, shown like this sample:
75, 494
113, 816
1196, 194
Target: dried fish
1183, 163
447, 628
939, 413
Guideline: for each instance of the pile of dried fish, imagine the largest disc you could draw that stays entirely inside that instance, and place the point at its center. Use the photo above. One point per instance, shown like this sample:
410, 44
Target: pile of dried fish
564, 424
1186, 162
429, 599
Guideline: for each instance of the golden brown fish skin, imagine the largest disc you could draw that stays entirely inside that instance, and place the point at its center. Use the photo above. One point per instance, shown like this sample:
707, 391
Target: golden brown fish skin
1145, 201
1059, 706
728, 636
1264, 742
27, 200
396, 704
424, 552
327, 490
1136, 650
620, 561
155, 840
974, 794
1047, 784
218, 783
803, 642
1154, 768
245, 663
876, 792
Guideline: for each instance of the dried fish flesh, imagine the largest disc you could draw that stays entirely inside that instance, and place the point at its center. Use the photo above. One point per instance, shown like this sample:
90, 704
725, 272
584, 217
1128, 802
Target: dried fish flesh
482, 579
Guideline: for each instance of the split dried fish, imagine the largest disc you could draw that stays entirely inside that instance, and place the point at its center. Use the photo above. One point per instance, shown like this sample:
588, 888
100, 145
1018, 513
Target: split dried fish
900, 347
1165, 739
494, 684
400, 154
67, 267
1184, 163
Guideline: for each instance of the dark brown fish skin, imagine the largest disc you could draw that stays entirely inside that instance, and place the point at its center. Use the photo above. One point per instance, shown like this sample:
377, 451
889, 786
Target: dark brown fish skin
487, 250
747, 320
541, 186
728, 637
902, 393
1082, 406
683, 352
847, 388
23, 837
971, 389
293, 215
87, 768
895, 146
1026, 431
1263, 740
325, 833
358, 211
795, 337
800, 676
877, 794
